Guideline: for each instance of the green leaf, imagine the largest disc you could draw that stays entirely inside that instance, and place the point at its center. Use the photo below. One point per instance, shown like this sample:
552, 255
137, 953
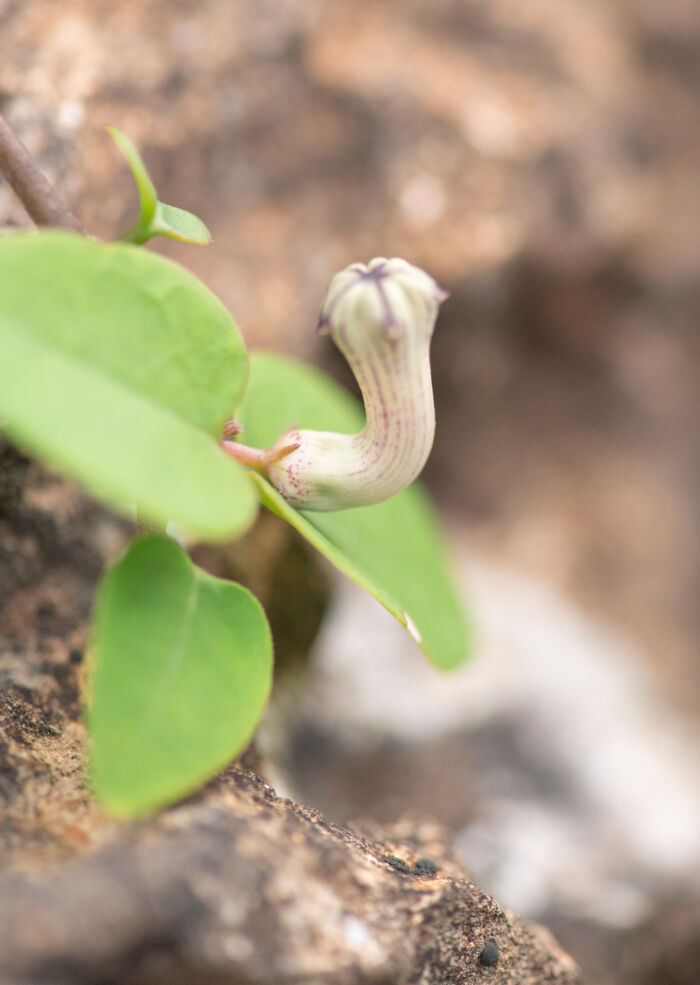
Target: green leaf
119, 368
146, 189
183, 668
301, 522
395, 549
156, 218
179, 224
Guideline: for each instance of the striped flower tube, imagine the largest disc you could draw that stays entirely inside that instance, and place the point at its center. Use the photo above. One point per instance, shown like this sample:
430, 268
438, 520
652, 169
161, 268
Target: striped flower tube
381, 317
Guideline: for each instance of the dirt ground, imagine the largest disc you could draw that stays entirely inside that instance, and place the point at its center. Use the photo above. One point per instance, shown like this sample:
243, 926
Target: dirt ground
541, 160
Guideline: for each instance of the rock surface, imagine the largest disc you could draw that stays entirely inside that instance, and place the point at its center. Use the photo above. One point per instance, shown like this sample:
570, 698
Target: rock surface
233, 886
242, 887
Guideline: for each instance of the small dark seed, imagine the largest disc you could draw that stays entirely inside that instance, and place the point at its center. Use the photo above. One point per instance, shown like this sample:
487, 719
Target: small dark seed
490, 954
425, 867
397, 863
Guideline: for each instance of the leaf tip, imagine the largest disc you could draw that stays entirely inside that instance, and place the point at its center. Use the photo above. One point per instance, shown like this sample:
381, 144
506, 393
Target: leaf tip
413, 629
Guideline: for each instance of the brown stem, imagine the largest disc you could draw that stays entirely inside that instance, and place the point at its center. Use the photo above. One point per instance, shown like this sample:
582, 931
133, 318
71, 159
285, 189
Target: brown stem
30, 185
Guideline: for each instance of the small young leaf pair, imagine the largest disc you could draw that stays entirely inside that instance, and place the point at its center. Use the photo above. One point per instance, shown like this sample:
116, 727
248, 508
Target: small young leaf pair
156, 218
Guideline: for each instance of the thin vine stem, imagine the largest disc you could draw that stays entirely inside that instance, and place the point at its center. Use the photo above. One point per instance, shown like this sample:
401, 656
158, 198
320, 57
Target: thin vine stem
31, 186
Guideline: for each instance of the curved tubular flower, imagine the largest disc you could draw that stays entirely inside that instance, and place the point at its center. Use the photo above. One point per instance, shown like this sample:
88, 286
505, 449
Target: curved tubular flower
381, 317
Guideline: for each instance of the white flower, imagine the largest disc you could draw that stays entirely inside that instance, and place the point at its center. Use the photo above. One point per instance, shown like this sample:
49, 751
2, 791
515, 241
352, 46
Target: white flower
381, 317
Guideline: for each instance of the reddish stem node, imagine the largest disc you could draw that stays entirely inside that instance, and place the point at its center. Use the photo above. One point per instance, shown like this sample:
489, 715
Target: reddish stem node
256, 458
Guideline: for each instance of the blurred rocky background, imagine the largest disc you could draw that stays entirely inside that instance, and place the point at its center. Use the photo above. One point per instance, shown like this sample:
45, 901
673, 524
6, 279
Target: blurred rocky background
542, 161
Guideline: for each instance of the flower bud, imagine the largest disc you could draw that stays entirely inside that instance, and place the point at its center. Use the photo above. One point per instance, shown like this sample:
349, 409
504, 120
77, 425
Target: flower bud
381, 317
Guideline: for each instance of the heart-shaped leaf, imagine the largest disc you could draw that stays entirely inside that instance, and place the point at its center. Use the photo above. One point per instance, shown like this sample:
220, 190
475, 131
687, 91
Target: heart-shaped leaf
183, 667
394, 549
118, 368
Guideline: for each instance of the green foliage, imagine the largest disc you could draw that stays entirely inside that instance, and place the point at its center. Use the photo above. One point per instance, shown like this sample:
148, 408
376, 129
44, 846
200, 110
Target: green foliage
156, 218
393, 549
399, 542
183, 665
303, 523
119, 368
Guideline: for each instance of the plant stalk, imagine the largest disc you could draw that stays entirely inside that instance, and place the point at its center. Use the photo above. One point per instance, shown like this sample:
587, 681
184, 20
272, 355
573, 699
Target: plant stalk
31, 186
